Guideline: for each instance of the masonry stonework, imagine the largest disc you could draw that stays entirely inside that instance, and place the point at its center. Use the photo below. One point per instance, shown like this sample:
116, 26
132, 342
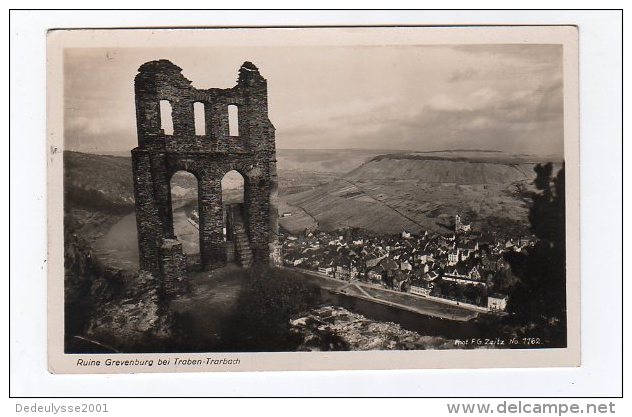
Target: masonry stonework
208, 157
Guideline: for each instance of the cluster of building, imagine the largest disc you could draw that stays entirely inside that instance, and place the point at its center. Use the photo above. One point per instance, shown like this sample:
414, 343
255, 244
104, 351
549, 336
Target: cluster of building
461, 266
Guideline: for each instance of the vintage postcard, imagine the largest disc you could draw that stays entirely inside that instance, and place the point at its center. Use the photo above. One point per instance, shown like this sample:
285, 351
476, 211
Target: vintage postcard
249, 199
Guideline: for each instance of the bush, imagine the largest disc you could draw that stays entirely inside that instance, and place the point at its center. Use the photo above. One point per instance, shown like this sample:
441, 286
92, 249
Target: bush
269, 299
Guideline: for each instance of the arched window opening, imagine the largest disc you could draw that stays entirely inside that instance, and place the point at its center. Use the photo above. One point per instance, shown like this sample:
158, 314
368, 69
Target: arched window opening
166, 117
186, 215
233, 120
199, 118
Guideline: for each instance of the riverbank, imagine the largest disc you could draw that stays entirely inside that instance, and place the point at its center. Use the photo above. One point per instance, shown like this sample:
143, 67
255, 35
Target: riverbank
404, 301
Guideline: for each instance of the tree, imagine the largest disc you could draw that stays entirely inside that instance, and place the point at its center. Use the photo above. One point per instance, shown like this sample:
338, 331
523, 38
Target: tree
540, 295
503, 281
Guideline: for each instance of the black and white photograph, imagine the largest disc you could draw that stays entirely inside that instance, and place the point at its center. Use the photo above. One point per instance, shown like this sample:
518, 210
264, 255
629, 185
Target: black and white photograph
314, 191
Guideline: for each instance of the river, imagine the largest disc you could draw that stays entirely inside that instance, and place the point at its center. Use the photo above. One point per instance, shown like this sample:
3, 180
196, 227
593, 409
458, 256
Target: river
118, 249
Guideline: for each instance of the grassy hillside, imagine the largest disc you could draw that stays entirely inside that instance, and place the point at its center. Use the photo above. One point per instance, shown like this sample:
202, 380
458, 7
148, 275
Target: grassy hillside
98, 182
390, 206
443, 171
422, 191
460, 167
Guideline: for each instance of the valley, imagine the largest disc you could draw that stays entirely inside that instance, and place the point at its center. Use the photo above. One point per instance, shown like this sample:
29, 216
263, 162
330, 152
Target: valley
380, 194
338, 189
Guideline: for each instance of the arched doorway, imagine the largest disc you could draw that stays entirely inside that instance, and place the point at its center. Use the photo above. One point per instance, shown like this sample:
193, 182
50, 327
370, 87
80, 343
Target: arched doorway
235, 219
185, 212
233, 188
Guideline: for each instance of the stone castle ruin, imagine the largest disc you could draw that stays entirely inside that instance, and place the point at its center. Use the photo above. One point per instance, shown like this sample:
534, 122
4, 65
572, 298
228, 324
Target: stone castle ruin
208, 152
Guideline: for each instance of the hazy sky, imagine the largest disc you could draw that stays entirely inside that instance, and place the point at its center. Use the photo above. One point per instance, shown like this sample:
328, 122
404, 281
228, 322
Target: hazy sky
502, 97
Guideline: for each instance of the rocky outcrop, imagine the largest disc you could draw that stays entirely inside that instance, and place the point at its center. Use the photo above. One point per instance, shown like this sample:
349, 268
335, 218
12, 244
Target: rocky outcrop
332, 328
135, 322
107, 309
86, 283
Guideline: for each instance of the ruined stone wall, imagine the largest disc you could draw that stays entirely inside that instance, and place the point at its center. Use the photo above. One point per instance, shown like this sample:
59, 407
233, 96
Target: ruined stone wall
173, 264
209, 157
